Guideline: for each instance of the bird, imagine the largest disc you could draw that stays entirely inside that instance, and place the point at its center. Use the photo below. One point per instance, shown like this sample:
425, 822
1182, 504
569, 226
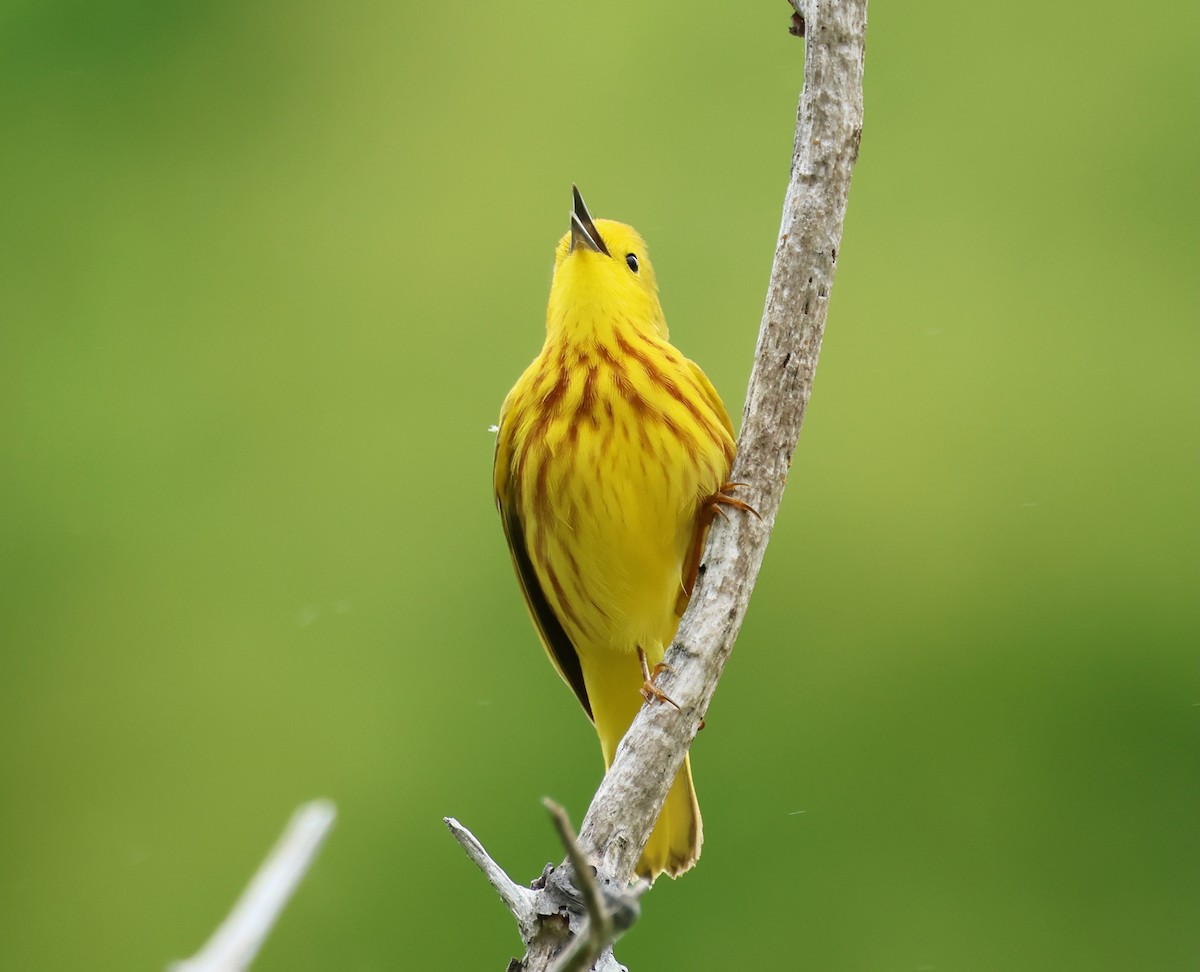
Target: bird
613, 454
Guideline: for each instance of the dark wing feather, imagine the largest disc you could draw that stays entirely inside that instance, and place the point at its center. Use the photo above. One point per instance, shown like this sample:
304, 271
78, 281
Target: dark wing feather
558, 646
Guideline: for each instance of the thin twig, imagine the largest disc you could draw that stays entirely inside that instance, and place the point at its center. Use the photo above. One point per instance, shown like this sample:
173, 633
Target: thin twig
587, 947
234, 944
518, 900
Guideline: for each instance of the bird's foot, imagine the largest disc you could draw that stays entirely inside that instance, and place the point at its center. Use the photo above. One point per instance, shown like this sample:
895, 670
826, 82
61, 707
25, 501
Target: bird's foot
723, 497
650, 691
710, 506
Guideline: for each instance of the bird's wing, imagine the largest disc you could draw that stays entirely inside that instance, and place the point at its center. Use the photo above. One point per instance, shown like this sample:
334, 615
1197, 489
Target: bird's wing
711, 396
554, 639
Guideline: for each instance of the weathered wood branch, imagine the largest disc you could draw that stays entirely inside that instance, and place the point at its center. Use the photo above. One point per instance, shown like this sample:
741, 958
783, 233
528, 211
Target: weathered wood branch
828, 130
520, 901
625, 807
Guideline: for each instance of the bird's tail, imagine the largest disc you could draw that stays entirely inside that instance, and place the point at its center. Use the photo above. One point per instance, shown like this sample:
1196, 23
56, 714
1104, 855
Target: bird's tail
614, 692
674, 844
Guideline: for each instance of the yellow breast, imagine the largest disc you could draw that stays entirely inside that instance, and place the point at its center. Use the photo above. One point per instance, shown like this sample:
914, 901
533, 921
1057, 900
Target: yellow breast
611, 445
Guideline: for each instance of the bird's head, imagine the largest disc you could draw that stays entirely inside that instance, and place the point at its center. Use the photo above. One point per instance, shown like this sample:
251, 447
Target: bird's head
601, 268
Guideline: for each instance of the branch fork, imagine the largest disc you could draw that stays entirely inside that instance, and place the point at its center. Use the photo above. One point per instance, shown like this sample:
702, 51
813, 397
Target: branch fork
572, 913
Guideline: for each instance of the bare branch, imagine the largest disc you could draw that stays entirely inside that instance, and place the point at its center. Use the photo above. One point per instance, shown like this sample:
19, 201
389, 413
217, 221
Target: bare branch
587, 947
625, 807
828, 129
234, 944
518, 900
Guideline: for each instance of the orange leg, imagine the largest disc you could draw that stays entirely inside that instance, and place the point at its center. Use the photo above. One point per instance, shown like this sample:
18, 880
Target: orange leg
709, 508
650, 691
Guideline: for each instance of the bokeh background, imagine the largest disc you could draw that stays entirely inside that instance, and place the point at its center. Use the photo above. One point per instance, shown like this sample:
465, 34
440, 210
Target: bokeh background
266, 273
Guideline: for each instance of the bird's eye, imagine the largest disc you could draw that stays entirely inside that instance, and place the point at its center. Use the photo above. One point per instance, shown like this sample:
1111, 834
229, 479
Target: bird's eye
631, 259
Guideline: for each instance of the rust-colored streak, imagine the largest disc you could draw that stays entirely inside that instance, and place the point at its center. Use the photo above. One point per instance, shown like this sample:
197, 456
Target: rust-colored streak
606, 441
540, 500
555, 395
547, 409
610, 359
565, 611
639, 356
665, 382
587, 401
668, 384
683, 435
622, 383
659, 348
642, 407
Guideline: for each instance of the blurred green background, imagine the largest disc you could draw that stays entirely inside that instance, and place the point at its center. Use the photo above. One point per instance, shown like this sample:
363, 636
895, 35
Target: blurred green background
266, 273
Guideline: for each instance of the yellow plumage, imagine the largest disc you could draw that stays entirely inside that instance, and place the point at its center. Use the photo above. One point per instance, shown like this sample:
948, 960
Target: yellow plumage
610, 446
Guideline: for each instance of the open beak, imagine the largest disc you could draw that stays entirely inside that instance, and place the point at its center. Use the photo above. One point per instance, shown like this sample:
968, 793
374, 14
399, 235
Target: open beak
583, 230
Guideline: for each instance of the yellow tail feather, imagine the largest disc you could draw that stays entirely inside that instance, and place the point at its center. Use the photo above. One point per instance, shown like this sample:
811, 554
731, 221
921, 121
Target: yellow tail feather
614, 683
674, 844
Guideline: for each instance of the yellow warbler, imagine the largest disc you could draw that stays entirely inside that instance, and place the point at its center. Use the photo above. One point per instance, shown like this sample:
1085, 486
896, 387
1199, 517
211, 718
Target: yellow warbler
612, 455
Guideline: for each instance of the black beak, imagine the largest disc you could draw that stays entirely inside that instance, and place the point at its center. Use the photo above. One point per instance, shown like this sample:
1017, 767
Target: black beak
583, 230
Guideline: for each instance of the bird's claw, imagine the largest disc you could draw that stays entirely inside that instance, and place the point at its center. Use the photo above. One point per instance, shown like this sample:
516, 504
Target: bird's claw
650, 691
724, 497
